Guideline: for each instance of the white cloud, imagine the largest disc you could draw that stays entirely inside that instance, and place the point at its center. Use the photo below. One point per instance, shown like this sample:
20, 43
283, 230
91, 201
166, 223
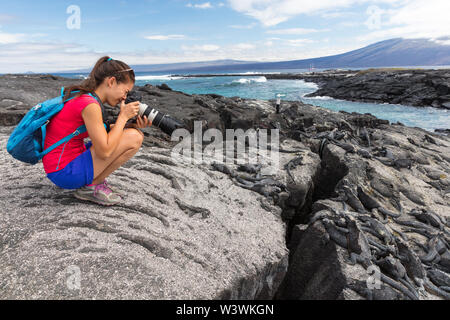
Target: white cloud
273, 12
349, 24
336, 14
206, 5
299, 42
54, 57
415, 19
10, 38
6, 38
243, 46
248, 26
205, 47
296, 31
397, 18
166, 37
41, 57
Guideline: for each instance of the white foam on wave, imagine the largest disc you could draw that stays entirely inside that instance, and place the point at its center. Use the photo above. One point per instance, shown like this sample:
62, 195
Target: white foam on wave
250, 73
318, 97
250, 80
162, 77
311, 85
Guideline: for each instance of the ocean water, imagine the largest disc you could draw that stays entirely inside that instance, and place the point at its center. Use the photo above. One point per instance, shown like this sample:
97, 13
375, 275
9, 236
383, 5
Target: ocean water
258, 87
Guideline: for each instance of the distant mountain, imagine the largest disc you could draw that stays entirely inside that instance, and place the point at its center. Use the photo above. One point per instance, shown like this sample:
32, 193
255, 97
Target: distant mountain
189, 65
389, 53
178, 66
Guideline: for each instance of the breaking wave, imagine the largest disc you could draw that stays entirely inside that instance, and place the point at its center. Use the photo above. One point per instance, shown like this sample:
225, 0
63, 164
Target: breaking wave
250, 80
162, 77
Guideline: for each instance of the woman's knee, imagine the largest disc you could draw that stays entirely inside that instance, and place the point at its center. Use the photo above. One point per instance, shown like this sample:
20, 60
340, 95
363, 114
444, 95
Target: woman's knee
134, 138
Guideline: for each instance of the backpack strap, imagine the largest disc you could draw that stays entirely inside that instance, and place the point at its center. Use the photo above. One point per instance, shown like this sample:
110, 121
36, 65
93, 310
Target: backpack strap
80, 130
44, 126
71, 96
44, 133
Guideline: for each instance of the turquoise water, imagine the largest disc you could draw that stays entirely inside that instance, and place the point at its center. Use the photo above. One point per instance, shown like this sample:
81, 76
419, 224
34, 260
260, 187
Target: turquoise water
294, 90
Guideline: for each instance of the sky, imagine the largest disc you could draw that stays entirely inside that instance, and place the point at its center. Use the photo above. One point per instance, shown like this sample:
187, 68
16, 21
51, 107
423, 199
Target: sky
52, 36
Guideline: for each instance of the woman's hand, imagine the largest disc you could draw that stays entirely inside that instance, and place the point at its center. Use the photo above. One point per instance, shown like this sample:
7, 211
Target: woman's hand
129, 110
142, 123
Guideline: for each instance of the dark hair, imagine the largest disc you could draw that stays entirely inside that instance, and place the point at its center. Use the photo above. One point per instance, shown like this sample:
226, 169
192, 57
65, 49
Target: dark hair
104, 68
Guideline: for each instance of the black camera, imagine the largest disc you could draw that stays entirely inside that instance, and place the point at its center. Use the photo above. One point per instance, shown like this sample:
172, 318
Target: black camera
166, 123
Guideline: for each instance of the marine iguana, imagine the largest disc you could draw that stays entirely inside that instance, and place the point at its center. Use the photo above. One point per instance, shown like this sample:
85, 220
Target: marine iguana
347, 196
412, 263
435, 290
386, 212
222, 168
358, 246
427, 217
403, 163
292, 164
386, 249
439, 278
389, 281
323, 214
370, 203
418, 225
349, 148
385, 152
396, 163
250, 168
364, 153
367, 201
436, 246
357, 243
396, 269
334, 233
378, 228
425, 233
430, 140
266, 187
392, 266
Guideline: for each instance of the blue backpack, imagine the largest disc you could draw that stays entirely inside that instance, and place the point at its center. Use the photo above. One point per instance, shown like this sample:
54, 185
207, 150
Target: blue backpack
26, 143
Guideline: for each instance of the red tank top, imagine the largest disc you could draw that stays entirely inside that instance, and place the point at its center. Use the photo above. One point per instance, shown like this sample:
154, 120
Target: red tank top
60, 126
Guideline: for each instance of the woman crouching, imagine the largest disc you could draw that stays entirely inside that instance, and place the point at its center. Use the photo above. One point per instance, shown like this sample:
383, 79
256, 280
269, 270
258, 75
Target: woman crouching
75, 165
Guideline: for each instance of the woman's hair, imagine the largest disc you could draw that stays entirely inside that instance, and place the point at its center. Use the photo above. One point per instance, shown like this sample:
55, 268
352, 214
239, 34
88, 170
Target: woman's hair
104, 68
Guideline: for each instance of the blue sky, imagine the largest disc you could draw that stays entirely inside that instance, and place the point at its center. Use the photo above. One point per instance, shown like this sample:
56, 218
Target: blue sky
44, 36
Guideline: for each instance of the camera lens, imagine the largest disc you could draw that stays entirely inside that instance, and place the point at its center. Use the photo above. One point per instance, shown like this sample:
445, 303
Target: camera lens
158, 119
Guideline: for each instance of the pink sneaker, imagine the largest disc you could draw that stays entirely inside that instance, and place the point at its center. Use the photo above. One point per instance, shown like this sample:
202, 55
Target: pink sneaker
100, 193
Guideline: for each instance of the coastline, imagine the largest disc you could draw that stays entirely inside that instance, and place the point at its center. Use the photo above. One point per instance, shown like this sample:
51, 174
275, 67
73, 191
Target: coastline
203, 231
415, 87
